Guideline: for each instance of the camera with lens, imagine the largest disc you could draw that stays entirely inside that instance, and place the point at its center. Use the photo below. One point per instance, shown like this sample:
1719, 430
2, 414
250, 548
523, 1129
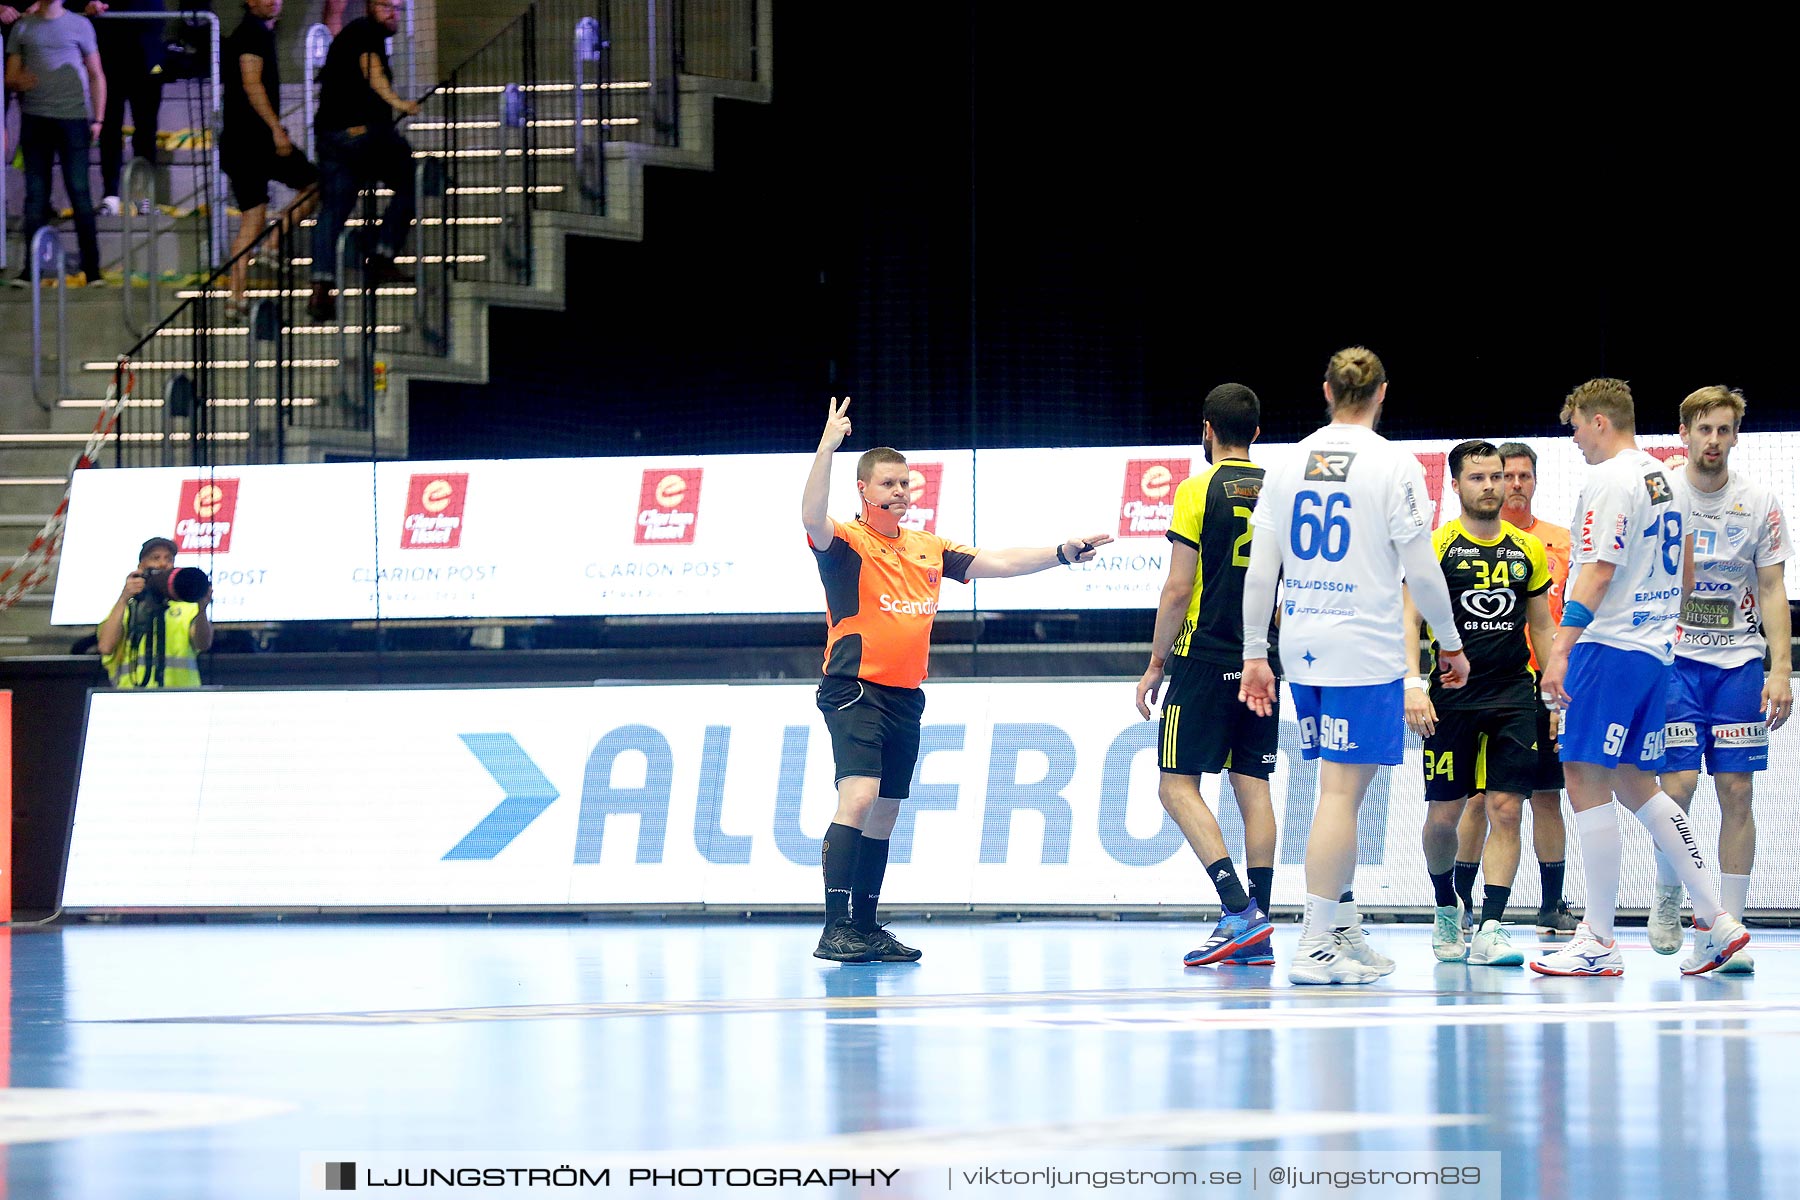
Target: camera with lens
176, 583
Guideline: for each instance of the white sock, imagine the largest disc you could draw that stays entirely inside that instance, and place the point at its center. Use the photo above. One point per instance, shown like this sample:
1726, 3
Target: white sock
1316, 923
1734, 893
1665, 871
1346, 915
1674, 836
1598, 831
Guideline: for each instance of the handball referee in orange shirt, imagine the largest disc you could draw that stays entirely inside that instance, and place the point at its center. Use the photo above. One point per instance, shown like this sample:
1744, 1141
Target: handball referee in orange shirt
881, 593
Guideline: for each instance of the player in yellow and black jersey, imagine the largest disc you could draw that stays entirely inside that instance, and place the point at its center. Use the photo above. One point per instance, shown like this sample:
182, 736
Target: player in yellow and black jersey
1200, 636
1482, 737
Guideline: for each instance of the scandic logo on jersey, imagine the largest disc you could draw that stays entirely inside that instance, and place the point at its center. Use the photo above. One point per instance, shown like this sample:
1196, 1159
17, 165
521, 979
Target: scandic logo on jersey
668, 506
434, 512
922, 484
1148, 502
205, 514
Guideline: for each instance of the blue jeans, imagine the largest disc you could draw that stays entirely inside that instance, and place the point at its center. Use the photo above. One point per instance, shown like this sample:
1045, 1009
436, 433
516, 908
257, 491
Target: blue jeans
43, 140
349, 162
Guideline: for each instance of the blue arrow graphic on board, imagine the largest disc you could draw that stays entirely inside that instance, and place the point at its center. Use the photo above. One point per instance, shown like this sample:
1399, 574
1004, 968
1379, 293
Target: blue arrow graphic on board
528, 793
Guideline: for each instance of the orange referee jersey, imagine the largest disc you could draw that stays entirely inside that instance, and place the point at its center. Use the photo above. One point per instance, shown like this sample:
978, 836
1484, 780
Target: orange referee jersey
880, 596
1556, 550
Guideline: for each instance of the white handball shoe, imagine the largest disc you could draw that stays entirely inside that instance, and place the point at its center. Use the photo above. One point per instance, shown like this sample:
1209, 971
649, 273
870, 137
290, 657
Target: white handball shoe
1665, 920
1327, 960
1585, 954
1446, 935
1493, 947
1716, 946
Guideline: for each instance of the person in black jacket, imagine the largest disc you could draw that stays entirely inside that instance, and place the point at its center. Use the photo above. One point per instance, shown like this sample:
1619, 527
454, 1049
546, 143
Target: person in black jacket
358, 147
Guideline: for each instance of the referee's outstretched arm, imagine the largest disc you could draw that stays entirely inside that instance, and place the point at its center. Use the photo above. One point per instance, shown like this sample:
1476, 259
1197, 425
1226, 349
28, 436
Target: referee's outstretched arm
1027, 560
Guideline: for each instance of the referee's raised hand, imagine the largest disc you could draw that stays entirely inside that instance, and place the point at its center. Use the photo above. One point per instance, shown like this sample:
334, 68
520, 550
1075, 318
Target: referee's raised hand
1082, 549
837, 424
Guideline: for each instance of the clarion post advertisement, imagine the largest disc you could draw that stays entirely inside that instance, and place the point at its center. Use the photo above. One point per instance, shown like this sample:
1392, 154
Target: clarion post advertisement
662, 536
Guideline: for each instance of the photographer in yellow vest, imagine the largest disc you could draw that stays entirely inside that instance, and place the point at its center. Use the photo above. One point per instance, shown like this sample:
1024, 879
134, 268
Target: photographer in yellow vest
153, 636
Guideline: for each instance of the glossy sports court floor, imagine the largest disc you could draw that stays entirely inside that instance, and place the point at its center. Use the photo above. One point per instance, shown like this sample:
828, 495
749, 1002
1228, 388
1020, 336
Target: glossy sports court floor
198, 1060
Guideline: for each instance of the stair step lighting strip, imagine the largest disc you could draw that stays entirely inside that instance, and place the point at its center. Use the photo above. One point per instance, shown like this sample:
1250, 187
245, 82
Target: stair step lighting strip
494, 89
292, 330
216, 402
277, 293
226, 364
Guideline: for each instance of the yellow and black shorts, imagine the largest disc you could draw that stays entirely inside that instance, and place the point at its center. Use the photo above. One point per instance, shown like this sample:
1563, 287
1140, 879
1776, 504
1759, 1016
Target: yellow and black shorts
1206, 729
1481, 750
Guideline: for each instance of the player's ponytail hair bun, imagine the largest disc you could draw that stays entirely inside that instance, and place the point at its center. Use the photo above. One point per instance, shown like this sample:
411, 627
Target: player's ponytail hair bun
1353, 375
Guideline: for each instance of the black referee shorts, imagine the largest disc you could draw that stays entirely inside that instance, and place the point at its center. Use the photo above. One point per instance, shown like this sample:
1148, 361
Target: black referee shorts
1481, 750
1206, 729
874, 731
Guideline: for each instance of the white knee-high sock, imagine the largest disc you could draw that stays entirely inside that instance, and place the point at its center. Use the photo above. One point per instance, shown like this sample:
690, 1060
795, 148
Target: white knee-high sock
1734, 893
1665, 871
1598, 830
1674, 836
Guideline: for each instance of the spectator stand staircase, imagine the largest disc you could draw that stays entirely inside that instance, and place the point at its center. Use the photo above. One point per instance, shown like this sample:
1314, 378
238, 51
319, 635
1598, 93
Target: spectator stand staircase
543, 133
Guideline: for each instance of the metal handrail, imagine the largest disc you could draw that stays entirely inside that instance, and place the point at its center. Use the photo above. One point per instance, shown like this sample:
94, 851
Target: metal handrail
318, 45
589, 43
130, 213
430, 179
345, 237
46, 243
5, 169
514, 117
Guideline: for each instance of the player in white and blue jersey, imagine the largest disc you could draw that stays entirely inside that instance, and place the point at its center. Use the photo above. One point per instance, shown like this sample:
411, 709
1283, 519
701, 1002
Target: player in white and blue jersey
1609, 670
1722, 706
1338, 527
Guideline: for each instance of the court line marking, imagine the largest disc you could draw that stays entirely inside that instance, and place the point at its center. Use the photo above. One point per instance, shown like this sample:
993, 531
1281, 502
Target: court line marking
1537, 1013
55, 1114
780, 1004
1169, 1129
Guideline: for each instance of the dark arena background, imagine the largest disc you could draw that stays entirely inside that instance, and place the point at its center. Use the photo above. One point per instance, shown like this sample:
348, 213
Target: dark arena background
486, 859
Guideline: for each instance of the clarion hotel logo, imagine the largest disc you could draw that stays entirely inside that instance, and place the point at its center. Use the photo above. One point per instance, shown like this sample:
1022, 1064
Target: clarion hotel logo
922, 506
668, 506
434, 512
1148, 503
205, 515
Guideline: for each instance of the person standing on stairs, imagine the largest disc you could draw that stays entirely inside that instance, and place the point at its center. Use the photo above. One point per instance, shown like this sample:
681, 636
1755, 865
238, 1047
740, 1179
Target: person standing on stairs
358, 148
53, 62
131, 51
256, 147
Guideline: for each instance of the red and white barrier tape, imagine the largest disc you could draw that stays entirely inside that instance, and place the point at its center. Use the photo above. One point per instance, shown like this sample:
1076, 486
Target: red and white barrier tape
32, 568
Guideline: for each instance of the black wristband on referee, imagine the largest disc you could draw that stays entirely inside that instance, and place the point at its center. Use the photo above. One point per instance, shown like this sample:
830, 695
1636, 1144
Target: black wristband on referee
1061, 557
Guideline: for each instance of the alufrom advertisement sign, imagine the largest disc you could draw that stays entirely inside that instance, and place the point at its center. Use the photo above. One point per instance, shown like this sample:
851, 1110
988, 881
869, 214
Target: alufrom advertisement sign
1035, 794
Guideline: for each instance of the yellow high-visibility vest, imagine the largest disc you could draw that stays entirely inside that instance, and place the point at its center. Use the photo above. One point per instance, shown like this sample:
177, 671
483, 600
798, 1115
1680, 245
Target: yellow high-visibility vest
132, 666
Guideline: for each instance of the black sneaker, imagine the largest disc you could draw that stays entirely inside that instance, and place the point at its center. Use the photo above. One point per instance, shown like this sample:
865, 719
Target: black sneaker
383, 270
885, 947
844, 942
321, 305
1558, 921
